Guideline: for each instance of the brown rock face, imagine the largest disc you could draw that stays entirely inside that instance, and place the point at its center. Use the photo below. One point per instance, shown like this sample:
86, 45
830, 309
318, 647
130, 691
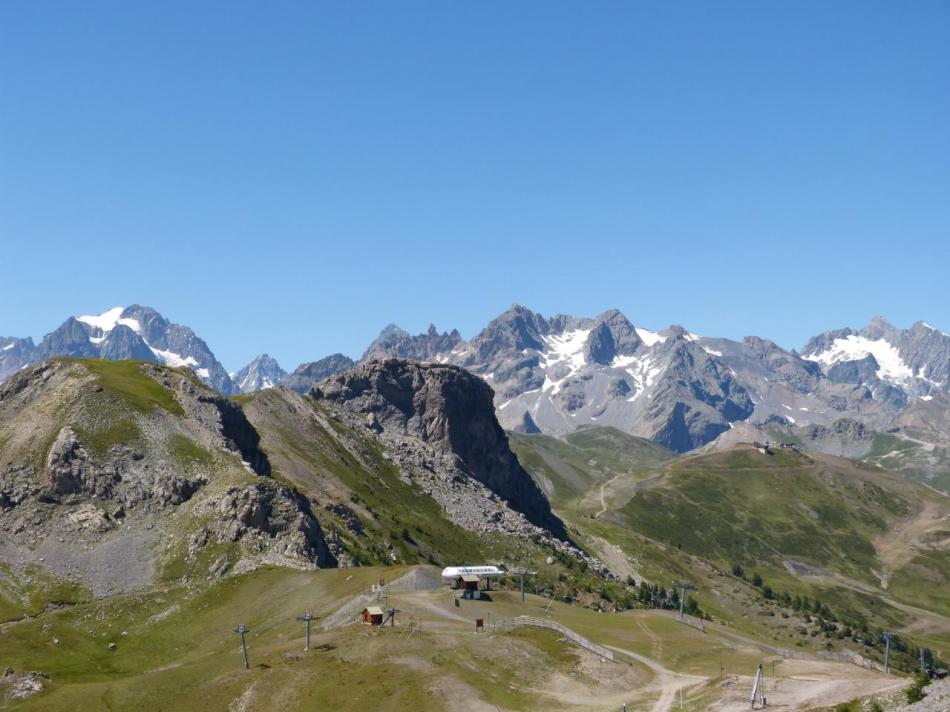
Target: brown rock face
451, 410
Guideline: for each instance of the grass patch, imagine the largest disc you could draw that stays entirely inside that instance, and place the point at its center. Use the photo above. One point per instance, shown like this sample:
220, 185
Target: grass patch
187, 451
127, 380
102, 440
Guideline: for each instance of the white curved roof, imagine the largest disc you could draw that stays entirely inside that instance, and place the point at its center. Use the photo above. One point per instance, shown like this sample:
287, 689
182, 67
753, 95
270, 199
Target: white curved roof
456, 571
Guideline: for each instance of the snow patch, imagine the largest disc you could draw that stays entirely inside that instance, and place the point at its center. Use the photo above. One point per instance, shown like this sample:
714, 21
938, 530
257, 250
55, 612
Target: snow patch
8, 347
649, 337
108, 320
891, 366
642, 369
712, 352
203, 372
926, 398
565, 349
170, 358
105, 321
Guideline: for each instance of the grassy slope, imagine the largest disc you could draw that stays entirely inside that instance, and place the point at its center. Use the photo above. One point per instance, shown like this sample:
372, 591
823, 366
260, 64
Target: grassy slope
927, 462
329, 462
176, 649
705, 513
309, 450
190, 658
566, 469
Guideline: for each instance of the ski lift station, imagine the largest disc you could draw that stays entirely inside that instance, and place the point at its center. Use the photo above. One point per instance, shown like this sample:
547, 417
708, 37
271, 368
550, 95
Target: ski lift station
453, 573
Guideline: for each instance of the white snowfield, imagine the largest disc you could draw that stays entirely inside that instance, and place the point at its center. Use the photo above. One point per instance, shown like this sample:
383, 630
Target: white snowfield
891, 366
170, 358
108, 319
641, 368
8, 347
649, 337
564, 354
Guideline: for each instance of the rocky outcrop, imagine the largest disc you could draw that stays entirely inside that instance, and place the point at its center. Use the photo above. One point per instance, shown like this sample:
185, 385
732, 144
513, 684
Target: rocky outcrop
307, 375
239, 434
267, 514
16, 685
448, 409
393, 341
64, 464
845, 437
148, 456
612, 335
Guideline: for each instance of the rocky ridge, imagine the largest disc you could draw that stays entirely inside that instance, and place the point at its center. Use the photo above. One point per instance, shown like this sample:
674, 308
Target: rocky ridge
683, 390
122, 484
448, 409
307, 375
466, 501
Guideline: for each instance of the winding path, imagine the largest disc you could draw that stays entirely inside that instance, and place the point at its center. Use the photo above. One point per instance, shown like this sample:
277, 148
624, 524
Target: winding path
668, 682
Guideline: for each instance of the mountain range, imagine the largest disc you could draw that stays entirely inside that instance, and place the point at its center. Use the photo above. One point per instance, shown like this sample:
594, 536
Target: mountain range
869, 392
142, 513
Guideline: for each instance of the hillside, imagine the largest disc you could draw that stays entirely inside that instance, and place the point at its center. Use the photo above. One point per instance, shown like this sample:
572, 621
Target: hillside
176, 649
116, 475
871, 546
120, 475
144, 516
568, 468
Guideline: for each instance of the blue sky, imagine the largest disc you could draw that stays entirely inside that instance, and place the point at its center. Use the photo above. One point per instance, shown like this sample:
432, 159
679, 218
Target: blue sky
290, 177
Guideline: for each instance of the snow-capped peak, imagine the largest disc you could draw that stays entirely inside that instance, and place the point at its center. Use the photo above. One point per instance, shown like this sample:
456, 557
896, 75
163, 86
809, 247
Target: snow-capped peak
108, 319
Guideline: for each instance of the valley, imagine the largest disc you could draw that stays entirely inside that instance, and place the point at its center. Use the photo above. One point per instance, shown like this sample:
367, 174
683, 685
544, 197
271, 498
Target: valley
175, 648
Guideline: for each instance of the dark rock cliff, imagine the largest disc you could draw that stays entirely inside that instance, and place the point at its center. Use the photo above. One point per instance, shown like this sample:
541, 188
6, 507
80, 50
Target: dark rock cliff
450, 409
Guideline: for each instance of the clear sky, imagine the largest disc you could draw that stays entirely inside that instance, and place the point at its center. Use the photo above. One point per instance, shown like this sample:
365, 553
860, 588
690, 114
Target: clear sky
290, 177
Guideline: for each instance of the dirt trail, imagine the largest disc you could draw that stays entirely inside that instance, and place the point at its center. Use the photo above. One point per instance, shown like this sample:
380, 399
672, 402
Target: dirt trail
668, 683
603, 502
896, 547
637, 487
808, 685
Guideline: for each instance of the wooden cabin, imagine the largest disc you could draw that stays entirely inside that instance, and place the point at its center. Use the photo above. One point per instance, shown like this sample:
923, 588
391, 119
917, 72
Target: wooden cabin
467, 582
373, 615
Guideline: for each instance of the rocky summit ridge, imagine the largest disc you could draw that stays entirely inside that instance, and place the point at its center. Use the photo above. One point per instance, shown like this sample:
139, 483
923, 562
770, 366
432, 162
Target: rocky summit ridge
561, 373
448, 409
684, 390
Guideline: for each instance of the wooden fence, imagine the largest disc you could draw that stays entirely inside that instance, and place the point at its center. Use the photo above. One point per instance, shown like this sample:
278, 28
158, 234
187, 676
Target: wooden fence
843, 656
689, 620
503, 624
